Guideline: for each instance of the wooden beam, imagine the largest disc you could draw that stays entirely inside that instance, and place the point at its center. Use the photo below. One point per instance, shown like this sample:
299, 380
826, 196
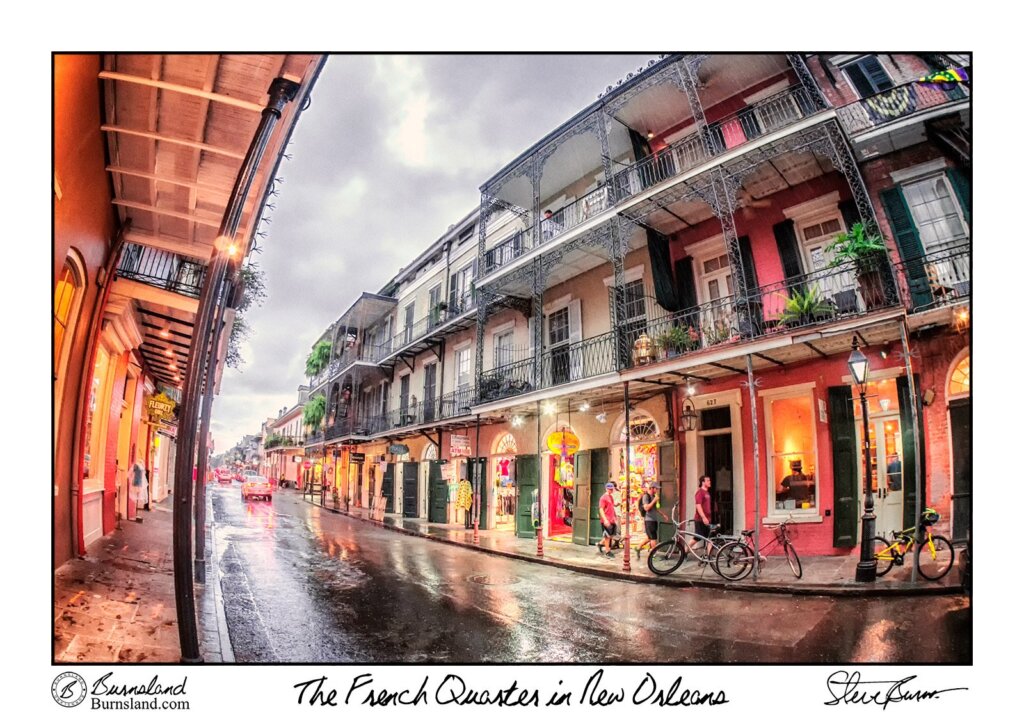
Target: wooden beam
815, 349
175, 245
727, 368
191, 91
213, 149
169, 179
769, 359
165, 317
167, 212
139, 291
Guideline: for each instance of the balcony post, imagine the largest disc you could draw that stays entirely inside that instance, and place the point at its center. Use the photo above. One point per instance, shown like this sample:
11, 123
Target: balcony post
617, 305
535, 171
538, 323
807, 81
842, 157
687, 69
602, 121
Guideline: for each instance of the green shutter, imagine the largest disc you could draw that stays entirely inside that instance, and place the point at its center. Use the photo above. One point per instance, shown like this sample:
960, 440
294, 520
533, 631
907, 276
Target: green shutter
851, 215
581, 500
750, 313
388, 488
962, 187
437, 494
845, 489
910, 477
909, 244
789, 252
668, 485
599, 475
527, 482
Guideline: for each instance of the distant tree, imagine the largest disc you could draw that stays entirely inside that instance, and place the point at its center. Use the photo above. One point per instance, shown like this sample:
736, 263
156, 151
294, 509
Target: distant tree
254, 293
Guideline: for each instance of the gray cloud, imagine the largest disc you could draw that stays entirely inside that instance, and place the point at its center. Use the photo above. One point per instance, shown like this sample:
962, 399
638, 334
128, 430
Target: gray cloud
391, 152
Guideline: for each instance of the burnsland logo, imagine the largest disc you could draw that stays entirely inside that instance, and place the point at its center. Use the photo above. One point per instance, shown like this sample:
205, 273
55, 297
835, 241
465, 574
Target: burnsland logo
68, 689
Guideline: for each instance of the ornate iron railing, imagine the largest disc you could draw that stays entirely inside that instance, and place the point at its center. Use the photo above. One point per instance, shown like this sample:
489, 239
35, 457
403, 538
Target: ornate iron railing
161, 269
314, 437
761, 118
939, 277
896, 103
338, 364
435, 320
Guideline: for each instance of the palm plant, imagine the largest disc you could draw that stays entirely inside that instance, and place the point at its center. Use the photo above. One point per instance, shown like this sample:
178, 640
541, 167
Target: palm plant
857, 247
805, 307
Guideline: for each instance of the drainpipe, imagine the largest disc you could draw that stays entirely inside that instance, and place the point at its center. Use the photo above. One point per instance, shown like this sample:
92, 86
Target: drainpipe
918, 473
282, 91
82, 403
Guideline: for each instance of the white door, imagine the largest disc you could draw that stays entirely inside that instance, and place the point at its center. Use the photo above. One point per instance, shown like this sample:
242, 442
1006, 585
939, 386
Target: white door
717, 319
887, 471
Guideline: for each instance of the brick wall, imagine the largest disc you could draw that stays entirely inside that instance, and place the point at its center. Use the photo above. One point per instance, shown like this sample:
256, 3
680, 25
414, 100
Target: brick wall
110, 468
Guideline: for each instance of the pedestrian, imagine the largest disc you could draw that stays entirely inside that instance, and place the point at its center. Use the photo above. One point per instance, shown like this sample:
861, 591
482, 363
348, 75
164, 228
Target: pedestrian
140, 485
609, 524
649, 510
702, 515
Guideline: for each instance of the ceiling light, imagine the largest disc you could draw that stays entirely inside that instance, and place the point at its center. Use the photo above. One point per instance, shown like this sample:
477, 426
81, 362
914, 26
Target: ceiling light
517, 421
549, 408
165, 332
691, 390
168, 352
585, 407
650, 134
601, 417
232, 250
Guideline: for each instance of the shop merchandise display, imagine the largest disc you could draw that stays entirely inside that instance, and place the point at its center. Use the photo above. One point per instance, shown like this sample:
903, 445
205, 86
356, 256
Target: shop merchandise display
504, 491
643, 469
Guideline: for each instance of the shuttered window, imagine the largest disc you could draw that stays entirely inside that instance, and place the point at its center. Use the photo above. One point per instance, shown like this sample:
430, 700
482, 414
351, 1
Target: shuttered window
868, 76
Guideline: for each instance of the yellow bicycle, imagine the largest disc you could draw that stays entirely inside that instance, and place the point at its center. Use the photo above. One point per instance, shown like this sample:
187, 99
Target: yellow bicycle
934, 553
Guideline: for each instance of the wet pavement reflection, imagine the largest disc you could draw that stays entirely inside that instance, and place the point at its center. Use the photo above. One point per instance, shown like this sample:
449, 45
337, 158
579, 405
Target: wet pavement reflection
301, 584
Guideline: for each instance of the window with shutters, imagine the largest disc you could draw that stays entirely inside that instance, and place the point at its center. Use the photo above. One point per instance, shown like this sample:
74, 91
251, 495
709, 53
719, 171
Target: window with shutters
558, 327
936, 213
503, 351
462, 368
867, 76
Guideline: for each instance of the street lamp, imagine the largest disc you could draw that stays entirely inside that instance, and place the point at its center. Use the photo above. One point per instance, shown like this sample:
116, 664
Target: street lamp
858, 364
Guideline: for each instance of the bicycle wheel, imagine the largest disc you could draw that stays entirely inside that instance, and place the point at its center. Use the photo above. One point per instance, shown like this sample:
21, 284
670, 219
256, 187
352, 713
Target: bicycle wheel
666, 557
734, 561
934, 566
884, 557
794, 560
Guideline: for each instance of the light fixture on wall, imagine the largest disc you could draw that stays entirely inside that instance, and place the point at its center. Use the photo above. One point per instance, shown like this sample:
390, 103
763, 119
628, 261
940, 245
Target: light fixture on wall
650, 134
962, 319
884, 353
691, 390
688, 417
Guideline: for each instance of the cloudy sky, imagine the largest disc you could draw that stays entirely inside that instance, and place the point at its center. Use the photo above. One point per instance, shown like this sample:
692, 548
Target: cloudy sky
391, 152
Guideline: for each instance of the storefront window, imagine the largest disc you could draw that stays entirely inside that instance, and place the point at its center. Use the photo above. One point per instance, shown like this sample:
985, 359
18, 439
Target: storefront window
793, 460
960, 381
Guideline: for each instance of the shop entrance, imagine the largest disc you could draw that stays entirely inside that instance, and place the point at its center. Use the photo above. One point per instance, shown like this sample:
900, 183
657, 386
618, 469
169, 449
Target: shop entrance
960, 433
437, 490
560, 496
886, 455
718, 465
501, 483
410, 489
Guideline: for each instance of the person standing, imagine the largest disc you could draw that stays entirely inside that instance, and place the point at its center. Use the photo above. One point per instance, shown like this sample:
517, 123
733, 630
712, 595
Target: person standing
609, 523
702, 514
140, 485
649, 510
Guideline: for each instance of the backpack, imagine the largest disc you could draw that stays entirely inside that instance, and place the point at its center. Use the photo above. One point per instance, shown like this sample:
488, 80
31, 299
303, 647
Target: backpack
640, 505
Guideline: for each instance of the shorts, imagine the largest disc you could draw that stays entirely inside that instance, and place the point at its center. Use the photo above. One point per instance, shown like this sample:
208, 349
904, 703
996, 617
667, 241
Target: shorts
702, 529
610, 531
651, 528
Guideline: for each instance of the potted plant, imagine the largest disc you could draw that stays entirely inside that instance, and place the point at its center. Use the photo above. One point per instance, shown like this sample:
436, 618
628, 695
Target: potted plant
717, 332
675, 341
806, 306
866, 252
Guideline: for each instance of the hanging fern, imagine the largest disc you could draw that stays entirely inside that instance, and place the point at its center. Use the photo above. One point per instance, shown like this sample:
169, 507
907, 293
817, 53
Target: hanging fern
313, 413
318, 358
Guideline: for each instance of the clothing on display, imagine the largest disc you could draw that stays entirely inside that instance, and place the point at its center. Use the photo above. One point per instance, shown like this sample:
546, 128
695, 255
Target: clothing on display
504, 491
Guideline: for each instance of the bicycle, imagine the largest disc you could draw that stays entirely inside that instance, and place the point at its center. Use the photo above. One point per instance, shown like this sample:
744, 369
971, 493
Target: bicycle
668, 555
731, 562
931, 564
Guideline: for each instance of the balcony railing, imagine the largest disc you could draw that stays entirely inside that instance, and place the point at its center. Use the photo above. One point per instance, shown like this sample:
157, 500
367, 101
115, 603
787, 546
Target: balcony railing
436, 318
338, 364
161, 269
560, 364
940, 277
896, 103
759, 119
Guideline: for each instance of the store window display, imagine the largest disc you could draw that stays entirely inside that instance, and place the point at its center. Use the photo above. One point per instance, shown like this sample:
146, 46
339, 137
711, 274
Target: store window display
643, 467
794, 456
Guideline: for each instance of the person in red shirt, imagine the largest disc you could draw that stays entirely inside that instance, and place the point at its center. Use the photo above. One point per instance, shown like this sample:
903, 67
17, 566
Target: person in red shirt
609, 523
702, 515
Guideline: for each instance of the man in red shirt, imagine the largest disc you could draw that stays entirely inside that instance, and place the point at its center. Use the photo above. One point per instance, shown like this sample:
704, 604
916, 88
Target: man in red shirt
702, 515
606, 510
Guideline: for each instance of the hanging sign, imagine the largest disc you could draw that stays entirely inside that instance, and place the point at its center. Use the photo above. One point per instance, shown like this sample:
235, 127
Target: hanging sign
460, 446
398, 449
357, 457
563, 442
161, 407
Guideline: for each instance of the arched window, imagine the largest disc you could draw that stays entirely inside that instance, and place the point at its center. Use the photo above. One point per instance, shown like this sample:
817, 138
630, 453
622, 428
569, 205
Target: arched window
430, 452
506, 446
642, 428
67, 296
960, 378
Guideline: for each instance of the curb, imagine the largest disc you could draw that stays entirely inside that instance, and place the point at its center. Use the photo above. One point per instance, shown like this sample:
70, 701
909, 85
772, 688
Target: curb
227, 654
796, 589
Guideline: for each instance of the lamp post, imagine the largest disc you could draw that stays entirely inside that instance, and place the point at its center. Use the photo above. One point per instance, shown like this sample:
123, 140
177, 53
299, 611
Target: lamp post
858, 364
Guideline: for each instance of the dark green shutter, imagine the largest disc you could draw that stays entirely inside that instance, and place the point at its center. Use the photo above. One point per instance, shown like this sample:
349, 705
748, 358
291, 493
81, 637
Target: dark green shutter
581, 499
668, 489
388, 488
750, 313
410, 489
599, 476
527, 481
962, 187
661, 270
909, 244
686, 290
437, 492
480, 466
845, 489
859, 80
789, 252
910, 477
851, 215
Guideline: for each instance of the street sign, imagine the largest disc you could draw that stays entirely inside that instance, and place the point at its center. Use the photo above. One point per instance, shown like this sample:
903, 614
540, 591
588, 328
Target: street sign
357, 457
460, 446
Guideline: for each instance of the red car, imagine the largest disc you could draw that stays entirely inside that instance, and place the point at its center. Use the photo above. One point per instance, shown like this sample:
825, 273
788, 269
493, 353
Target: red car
256, 486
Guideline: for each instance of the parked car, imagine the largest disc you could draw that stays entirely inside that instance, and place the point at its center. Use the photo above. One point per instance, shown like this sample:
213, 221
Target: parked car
224, 477
256, 486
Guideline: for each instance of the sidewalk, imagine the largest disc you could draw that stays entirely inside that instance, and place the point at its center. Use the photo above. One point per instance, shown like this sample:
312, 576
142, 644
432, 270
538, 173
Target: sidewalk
822, 575
117, 603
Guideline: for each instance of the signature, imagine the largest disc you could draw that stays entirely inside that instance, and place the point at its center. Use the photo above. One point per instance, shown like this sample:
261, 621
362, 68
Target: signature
846, 688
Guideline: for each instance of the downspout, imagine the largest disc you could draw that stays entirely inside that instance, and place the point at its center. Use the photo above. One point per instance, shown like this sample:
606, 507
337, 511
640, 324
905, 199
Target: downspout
82, 404
281, 92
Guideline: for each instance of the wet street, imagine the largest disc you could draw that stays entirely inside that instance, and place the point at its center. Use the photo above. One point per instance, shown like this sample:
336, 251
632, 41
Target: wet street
302, 584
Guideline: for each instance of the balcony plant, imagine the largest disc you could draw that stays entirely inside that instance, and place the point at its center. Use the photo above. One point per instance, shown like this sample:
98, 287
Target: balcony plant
717, 332
866, 253
806, 306
314, 411
318, 358
677, 340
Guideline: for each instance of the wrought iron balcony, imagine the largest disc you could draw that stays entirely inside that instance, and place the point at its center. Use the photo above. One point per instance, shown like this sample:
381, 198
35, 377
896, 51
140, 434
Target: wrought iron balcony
937, 278
559, 365
161, 269
338, 365
896, 103
435, 322
818, 298
314, 438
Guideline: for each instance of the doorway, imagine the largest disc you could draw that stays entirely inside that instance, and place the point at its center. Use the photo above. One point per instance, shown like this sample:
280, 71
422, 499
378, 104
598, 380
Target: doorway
885, 442
718, 465
960, 436
560, 497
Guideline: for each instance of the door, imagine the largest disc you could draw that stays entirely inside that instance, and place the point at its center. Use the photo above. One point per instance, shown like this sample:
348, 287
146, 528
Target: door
581, 502
960, 432
668, 489
437, 508
410, 489
599, 476
478, 477
718, 465
527, 495
388, 488
886, 451
429, 391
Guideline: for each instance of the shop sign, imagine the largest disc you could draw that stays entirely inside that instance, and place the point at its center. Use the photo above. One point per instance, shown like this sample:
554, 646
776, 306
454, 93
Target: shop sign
563, 442
460, 446
161, 407
357, 457
448, 472
398, 449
